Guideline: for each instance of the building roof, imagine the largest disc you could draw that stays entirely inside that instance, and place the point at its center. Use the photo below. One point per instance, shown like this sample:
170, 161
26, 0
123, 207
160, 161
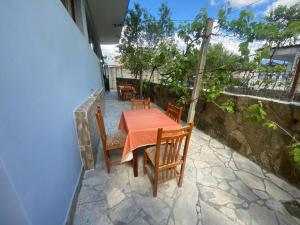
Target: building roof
108, 18
285, 53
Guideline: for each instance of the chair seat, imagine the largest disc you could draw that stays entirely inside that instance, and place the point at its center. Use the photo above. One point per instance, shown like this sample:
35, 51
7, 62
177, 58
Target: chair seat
151, 154
116, 140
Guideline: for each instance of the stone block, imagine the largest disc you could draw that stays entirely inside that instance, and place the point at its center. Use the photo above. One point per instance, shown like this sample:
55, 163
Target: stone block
87, 130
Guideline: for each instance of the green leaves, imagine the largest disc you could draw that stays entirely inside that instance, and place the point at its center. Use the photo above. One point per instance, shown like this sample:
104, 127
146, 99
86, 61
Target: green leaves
256, 112
270, 124
228, 106
295, 152
280, 27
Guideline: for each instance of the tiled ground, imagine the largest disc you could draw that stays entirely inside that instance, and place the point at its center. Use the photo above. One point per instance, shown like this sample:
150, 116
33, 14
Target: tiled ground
220, 187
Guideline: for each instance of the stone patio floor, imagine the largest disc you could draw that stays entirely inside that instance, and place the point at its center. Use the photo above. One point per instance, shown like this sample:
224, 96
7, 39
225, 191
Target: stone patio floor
220, 187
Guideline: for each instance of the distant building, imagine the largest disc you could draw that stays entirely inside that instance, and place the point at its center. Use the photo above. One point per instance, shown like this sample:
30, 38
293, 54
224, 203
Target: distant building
288, 54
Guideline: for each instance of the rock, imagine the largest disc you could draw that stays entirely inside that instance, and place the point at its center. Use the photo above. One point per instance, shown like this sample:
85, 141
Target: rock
89, 194
205, 178
245, 205
232, 165
96, 179
287, 219
114, 197
250, 180
91, 213
224, 186
276, 206
224, 153
276, 192
265, 159
230, 206
260, 202
216, 144
171, 221
124, 212
154, 207
211, 216
141, 184
244, 145
223, 173
230, 213
245, 164
184, 210
201, 164
218, 197
208, 156
139, 221
234, 192
261, 194
284, 185
243, 190
229, 122
261, 215
119, 180
243, 215
169, 188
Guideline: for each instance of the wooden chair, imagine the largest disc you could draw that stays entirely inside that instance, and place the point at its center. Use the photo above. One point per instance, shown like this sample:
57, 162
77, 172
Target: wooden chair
129, 92
110, 142
167, 155
140, 103
174, 112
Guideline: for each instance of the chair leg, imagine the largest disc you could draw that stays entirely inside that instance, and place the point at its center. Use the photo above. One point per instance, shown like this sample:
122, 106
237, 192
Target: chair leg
145, 162
106, 159
155, 183
181, 175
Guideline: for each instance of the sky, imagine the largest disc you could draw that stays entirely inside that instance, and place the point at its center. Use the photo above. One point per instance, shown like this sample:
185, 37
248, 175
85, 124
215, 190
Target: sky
188, 9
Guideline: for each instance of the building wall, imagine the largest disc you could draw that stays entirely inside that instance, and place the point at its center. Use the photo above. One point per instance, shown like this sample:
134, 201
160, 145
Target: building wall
11, 211
47, 70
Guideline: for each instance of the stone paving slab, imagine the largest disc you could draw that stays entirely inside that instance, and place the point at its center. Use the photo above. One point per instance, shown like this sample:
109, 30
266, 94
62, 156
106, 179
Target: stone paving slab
220, 187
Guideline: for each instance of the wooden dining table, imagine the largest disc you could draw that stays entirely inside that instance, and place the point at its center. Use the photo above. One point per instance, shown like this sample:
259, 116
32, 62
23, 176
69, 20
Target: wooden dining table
141, 127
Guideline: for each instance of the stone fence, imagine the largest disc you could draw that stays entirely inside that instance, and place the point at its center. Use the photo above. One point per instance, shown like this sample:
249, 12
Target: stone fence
266, 147
87, 130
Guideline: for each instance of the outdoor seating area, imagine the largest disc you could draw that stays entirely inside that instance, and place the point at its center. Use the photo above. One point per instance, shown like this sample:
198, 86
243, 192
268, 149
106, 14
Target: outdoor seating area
158, 112
216, 186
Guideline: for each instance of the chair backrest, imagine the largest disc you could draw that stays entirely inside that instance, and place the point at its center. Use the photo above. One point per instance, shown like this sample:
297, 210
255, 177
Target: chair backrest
101, 126
171, 141
140, 103
174, 112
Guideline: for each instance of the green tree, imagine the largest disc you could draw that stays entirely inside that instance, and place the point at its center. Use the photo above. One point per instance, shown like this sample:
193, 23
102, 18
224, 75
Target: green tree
180, 62
280, 27
141, 40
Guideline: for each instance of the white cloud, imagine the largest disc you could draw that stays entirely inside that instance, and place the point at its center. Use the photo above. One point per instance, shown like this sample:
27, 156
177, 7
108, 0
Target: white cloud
243, 3
213, 2
110, 51
280, 2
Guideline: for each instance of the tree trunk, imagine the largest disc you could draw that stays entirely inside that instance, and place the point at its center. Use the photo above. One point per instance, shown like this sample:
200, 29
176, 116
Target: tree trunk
141, 84
200, 70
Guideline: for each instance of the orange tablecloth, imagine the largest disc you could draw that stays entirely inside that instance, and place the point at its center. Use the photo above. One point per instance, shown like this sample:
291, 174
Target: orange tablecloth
141, 127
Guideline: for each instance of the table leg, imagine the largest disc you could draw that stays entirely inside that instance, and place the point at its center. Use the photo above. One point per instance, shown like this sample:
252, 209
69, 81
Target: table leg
135, 164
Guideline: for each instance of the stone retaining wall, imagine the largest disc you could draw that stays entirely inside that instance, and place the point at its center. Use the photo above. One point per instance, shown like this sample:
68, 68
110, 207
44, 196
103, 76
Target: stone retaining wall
261, 145
87, 130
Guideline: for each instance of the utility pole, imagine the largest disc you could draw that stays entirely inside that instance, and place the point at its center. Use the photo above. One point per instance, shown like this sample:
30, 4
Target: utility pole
295, 82
200, 68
